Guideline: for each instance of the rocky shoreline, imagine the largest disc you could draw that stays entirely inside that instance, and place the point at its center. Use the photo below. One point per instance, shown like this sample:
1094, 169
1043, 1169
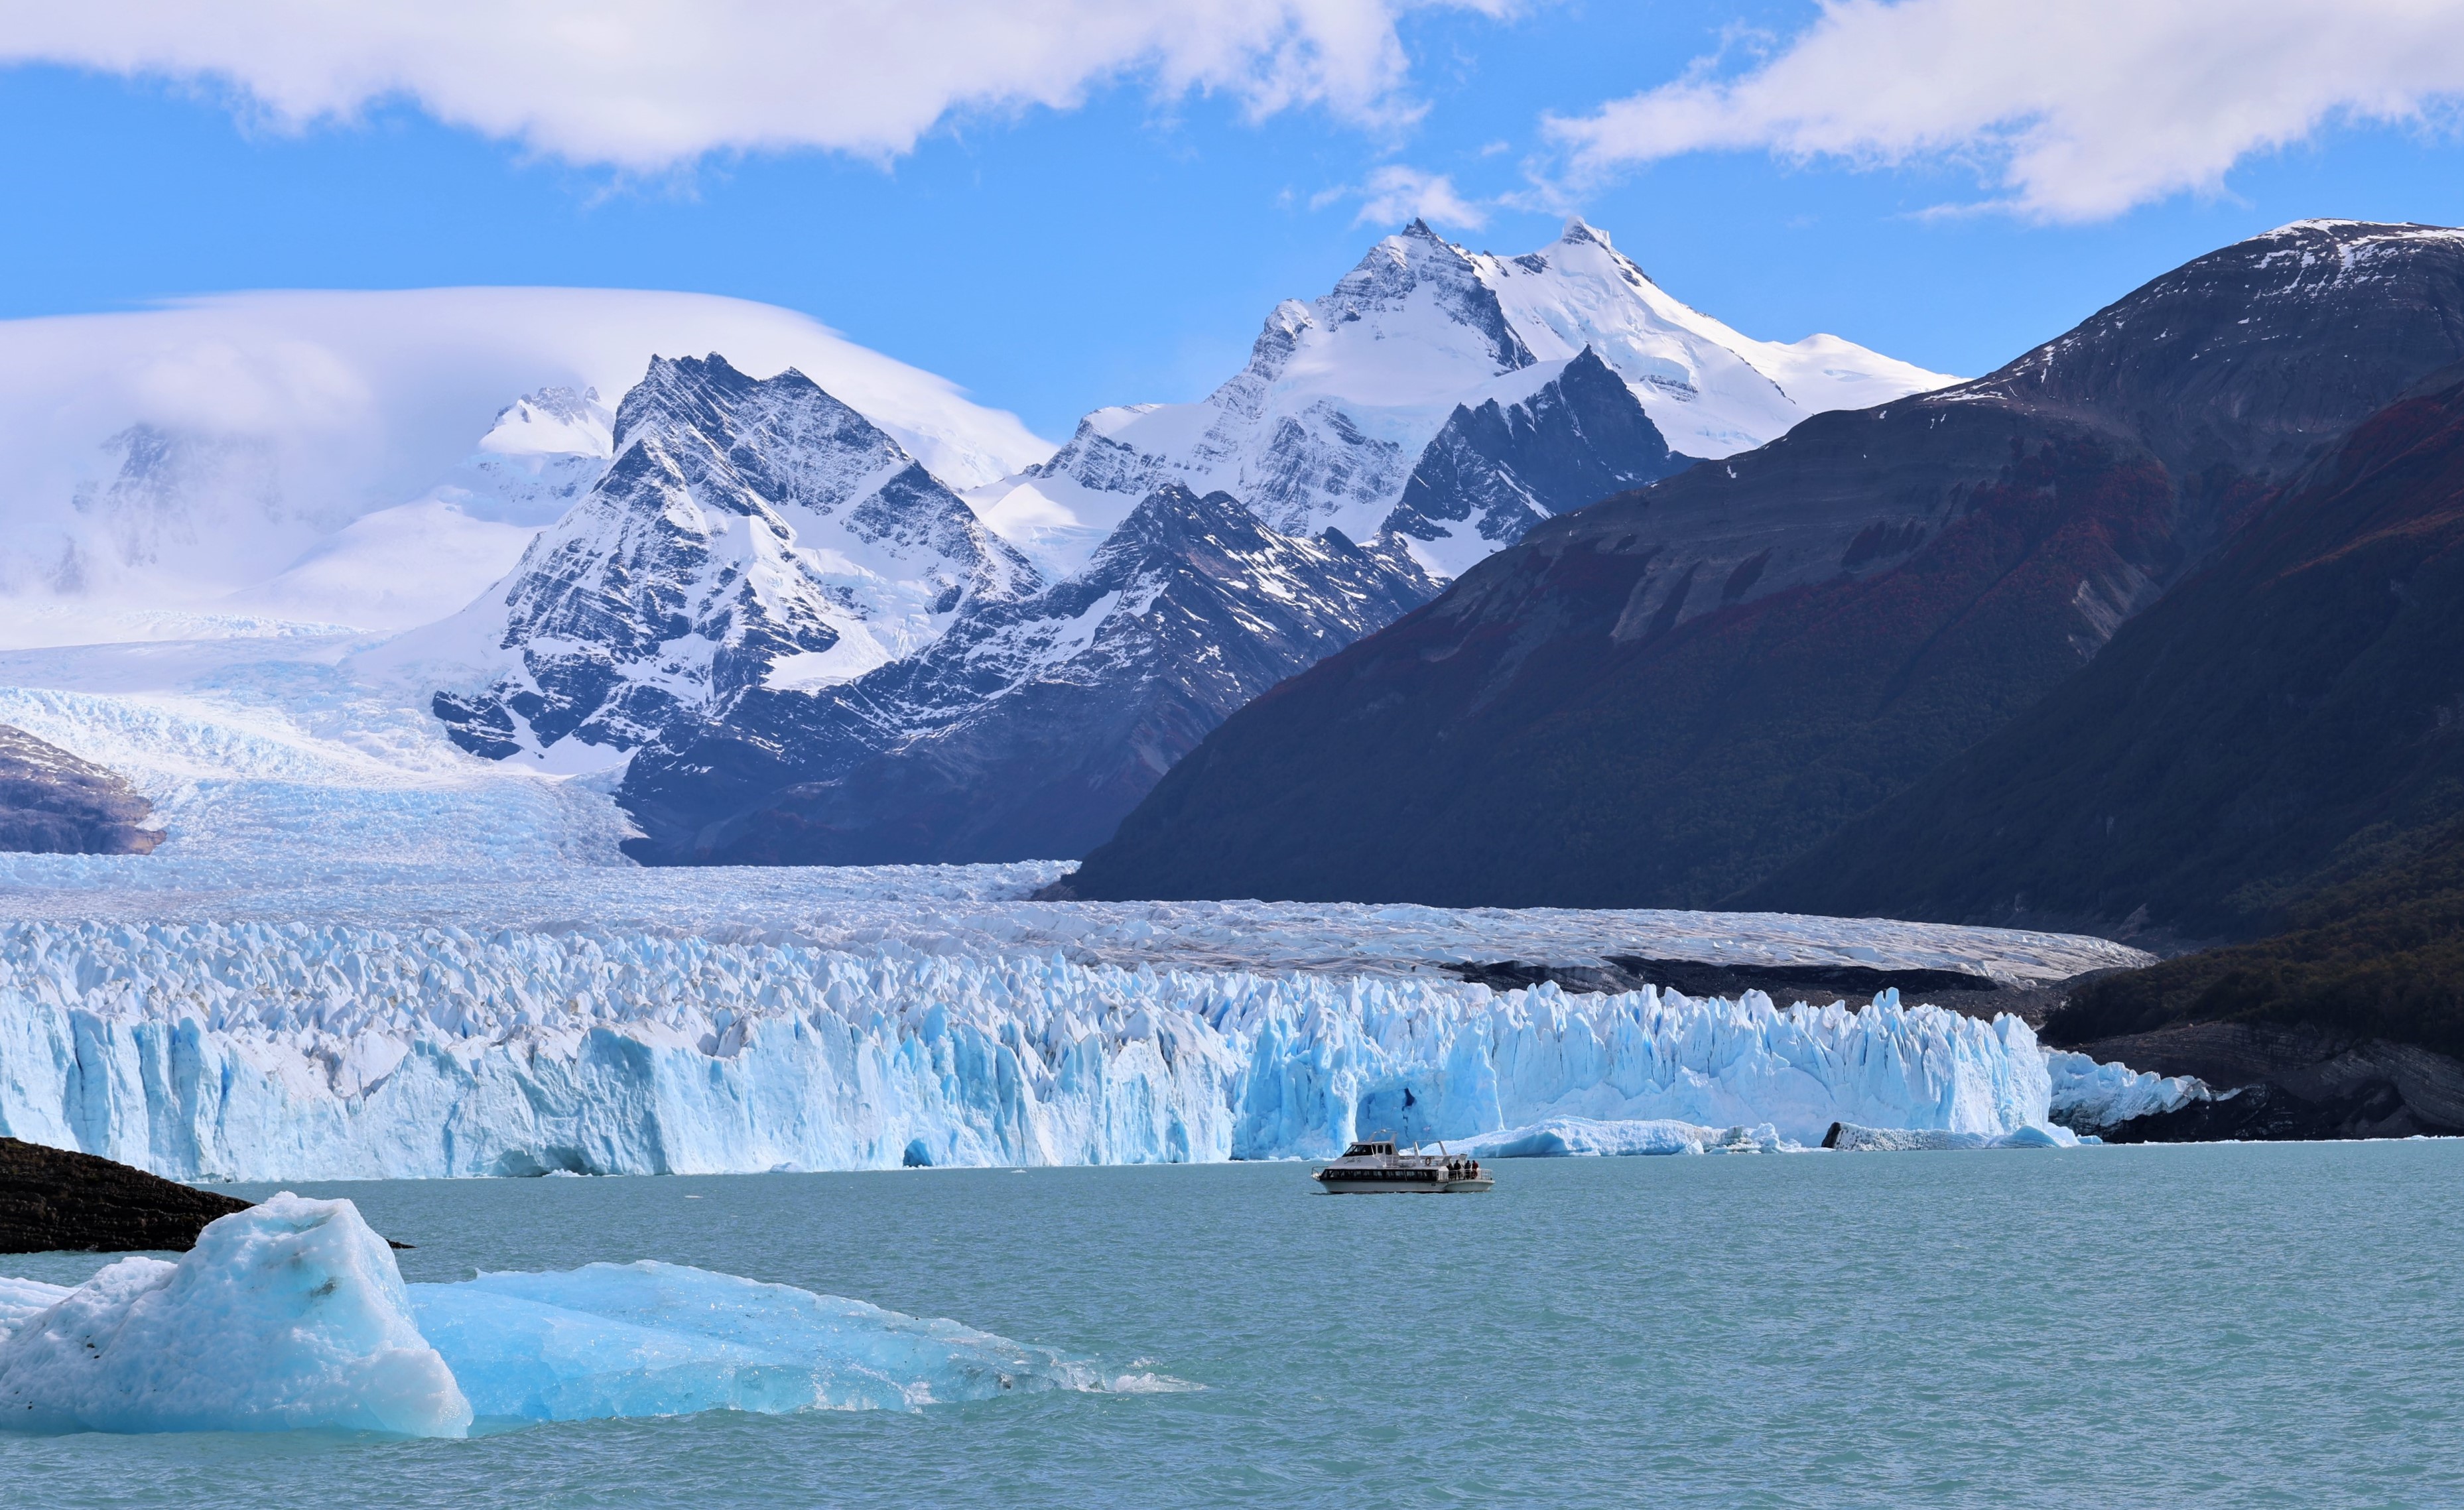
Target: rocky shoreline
52, 1200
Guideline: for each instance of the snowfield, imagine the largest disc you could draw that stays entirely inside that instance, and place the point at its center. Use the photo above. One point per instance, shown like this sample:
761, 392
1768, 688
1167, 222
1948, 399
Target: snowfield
361, 953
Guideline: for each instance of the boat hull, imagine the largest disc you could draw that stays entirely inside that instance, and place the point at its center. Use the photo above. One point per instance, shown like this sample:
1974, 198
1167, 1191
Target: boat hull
1356, 1185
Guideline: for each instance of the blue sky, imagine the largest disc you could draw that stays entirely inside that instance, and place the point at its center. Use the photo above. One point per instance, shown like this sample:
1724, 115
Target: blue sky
1126, 248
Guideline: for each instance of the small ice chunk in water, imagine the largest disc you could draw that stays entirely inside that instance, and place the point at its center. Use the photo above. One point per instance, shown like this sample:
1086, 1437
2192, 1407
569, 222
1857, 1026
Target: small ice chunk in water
289, 1314
660, 1339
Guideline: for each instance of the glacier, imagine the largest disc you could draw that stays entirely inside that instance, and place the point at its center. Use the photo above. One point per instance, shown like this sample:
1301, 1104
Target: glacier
362, 954
293, 1315
253, 1051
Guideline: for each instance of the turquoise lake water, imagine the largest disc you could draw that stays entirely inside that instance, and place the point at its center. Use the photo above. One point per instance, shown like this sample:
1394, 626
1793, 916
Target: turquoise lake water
2268, 1324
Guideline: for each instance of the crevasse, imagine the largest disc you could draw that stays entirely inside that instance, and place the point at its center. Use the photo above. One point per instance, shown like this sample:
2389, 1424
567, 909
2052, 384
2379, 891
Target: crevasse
295, 1052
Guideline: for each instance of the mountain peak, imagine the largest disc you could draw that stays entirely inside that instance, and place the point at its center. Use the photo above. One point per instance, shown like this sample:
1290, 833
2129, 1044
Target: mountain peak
1580, 230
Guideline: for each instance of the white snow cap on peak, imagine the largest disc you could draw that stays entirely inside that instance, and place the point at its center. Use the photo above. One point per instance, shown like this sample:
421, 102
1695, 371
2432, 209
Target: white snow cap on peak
1326, 422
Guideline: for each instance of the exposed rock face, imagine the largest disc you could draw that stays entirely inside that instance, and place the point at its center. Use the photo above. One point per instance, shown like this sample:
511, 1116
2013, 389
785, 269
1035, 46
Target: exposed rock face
54, 1200
2292, 1082
1496, 471
1030, 727
749, 533
1658, 699
53, 803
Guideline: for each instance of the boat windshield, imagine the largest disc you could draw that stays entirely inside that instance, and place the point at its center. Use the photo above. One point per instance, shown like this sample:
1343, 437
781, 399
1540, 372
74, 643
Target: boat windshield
1364, 1151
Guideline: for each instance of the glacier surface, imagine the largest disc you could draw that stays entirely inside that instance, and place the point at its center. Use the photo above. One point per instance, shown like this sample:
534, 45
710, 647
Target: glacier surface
293, 1315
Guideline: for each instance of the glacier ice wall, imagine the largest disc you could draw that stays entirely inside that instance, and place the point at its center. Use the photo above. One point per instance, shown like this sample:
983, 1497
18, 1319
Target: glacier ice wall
2087, 1095
278, 1052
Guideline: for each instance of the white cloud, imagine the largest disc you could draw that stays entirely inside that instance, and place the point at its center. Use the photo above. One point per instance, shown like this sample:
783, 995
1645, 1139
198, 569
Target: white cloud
2075, 109
648, 85
1395, 194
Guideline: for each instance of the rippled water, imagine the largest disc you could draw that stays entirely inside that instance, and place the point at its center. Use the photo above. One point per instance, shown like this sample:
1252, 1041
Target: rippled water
2233, 1325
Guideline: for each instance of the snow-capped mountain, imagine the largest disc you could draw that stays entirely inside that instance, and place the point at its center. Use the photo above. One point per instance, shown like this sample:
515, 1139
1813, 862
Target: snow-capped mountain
749, 533
1342, 396
418, 562
1033, 724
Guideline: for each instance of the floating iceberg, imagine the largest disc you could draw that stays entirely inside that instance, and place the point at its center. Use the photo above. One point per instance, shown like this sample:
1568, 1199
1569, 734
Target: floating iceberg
287, 1315
293, 1315
252, 1051
657, 1339
1848, 1138
1582, 1137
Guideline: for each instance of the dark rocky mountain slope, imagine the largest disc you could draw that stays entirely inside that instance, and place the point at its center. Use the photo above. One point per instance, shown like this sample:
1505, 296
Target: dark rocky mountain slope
2350, 1023
1030, 727
1661, 698
2289, 717
1496, 471
53, 803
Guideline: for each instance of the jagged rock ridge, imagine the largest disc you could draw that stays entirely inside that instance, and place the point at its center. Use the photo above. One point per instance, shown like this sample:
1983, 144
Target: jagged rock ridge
1032, 725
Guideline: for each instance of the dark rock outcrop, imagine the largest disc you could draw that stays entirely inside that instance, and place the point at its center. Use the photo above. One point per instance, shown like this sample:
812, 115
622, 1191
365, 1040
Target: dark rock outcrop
1661, 698
2288, 1082
53, 803
1496, 471
55, 1200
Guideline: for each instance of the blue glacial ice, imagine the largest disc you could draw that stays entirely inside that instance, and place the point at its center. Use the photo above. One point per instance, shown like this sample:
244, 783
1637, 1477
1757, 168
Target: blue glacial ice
281, 1052
657, 1339
293, 1315
289, 1315
1587, 1137
2087, 1094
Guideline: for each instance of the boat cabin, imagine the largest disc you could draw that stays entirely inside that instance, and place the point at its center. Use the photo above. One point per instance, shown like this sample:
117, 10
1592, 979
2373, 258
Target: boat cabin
1369, 1150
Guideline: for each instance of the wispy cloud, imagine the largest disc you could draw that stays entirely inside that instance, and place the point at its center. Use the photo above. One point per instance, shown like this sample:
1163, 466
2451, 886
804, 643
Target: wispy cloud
649, 84
1395, 194
2071, 111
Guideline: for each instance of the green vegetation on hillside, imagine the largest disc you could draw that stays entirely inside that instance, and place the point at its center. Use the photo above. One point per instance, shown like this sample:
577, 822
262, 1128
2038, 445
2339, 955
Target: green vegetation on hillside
2381, 957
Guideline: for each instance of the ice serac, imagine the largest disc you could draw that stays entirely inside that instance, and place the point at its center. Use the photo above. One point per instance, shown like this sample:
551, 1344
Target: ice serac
1031, 726
287, 1315
255, 1052
750, 533
1344, 394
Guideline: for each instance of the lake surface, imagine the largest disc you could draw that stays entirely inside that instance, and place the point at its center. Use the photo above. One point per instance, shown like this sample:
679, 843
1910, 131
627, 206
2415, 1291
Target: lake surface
2233, 1326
